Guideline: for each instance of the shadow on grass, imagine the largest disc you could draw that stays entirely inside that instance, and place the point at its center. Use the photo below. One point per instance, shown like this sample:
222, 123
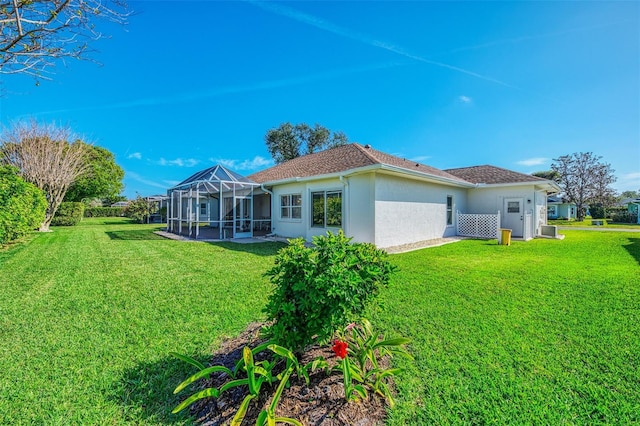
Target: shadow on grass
634, 248
258, 249
138, 234
145, 391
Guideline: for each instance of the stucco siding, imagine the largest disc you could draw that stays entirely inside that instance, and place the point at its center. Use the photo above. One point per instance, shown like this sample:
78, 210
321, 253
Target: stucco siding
409, 211
289, 228
360, 208
301, 227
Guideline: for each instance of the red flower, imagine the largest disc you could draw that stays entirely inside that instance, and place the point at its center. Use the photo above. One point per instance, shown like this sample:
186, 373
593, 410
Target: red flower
340, 349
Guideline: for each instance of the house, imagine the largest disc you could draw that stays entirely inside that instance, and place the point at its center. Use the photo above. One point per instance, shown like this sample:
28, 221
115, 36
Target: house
373, 196
559, 208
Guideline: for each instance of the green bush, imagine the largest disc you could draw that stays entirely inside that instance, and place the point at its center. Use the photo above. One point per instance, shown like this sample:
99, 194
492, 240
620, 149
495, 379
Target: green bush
624, 217
22, 205
138, 209
322, 289
68, 214
103, 212
597, 211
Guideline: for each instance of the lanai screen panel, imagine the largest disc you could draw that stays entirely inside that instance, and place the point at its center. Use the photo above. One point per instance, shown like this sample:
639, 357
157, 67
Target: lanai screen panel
207, 198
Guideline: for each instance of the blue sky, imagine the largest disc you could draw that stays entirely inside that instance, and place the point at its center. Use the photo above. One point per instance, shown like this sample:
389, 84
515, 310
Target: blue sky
450, 84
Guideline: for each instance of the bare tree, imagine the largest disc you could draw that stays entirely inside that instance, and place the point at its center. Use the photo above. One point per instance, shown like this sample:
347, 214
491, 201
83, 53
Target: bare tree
34, 34
45, 157
584, 179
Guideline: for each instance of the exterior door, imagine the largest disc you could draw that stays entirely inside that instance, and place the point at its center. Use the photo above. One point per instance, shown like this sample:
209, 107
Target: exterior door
243, 214
513, 217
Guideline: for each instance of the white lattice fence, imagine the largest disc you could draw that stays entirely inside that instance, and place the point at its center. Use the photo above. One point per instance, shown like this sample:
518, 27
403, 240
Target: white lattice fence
478, 225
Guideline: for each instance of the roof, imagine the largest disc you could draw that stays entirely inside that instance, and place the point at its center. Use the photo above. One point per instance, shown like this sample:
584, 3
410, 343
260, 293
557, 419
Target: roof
493, 175
214, 175
341, 159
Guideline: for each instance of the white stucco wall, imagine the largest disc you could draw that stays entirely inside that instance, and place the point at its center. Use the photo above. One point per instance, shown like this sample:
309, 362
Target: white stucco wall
360, 208
294, 228
408, 211
490, 200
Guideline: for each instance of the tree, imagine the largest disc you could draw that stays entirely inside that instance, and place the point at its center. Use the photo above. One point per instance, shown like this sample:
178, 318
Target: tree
549, 175
584, 179
103, 178
35, 34
287, 141
45, 158
630, 194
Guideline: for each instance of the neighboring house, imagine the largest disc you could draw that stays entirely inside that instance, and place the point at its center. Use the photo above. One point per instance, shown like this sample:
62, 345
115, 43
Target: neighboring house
559, 208
631, 204
373, 196
120, 204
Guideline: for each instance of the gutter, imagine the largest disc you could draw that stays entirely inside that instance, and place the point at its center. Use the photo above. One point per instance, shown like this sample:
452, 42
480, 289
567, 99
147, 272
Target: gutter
376, 167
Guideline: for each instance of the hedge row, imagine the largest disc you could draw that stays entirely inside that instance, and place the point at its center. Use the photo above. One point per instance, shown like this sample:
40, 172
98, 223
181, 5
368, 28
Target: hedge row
104, 212
68, 214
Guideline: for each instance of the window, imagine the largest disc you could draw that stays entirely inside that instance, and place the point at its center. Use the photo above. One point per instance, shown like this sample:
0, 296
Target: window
203, 209
449, 209
327, 209
291, 206
551, 210
513, 207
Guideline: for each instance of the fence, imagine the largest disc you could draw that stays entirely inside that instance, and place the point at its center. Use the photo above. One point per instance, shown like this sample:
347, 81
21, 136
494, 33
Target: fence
478, 225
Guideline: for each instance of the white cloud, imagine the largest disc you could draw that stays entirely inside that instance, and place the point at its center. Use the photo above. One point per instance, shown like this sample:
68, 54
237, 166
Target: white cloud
465, 99
629, 182
256, 163
135, 156
420, 158
188, 162
330, 27
138, 178
537, 161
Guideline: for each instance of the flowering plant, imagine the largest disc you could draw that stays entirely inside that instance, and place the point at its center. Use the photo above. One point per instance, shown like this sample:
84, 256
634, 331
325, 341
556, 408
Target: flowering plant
340, 348
365, 348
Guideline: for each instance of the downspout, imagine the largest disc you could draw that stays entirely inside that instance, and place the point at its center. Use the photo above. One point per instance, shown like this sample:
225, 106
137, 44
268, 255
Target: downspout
345, 211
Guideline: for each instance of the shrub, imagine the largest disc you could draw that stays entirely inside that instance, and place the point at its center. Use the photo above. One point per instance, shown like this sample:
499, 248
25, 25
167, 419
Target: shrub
138, 209
103, 212
68, 214
22, 205
624, 217
322, 289
597, 211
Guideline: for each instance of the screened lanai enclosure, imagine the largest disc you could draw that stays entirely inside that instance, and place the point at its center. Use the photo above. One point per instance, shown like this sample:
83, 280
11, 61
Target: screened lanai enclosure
218, 204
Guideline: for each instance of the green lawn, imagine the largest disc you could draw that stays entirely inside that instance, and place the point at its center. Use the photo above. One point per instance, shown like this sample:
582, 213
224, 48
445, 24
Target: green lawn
606, 223
543, 332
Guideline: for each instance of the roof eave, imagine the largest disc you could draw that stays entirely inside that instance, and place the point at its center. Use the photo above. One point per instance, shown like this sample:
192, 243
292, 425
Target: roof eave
550, 186
372, 168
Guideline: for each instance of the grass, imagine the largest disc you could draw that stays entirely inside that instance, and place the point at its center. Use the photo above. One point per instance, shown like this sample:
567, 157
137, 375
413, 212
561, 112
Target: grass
89, 314
606, 223
544, 332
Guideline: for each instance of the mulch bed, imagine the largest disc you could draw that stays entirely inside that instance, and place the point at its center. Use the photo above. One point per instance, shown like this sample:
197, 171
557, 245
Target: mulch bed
320, 403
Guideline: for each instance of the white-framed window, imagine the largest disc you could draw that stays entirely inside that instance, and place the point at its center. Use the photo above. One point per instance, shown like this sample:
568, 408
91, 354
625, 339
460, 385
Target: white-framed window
291, 206
449, 210
203, 209
326, 209
551, 210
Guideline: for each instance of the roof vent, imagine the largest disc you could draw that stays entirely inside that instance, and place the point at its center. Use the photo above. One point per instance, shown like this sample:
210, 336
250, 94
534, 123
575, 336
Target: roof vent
367, 146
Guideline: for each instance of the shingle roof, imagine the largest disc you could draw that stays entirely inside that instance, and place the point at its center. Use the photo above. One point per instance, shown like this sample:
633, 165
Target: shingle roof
492, 175
341, 159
